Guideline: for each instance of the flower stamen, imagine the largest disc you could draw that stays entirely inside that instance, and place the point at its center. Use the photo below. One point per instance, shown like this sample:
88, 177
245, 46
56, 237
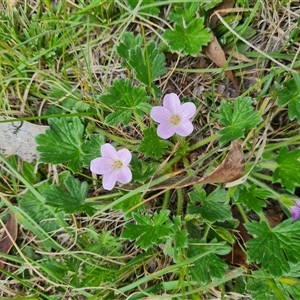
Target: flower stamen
117, 164
175, 119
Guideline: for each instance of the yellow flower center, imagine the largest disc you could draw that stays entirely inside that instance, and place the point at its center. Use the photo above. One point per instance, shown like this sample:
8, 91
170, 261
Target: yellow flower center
175, 120
117, 165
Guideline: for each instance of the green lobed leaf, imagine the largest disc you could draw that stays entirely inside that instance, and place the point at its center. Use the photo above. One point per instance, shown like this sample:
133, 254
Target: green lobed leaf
124, 99
177, 240
210, 266
193, 228
290, 95
189, 39
55, 269
274, 248
95, 276
91, 148
141, 170
71, 201
148, 64
61, 143
39, 212
147, 231
288, 169
152, 145
103, 243
253, 197
185, 14
129, 42
212, 208
119, 116
237, 119
72, 98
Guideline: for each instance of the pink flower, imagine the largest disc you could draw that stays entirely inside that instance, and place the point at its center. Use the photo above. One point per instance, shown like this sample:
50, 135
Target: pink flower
113, 165
296, 210
173, 117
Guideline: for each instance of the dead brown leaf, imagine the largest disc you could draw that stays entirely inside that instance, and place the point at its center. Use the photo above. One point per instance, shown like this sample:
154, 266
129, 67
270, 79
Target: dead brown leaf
237, 55
226, 4
231, 168
6, 242
215, 53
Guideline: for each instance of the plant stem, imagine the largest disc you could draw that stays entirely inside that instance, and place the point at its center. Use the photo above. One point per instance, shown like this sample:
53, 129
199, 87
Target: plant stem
179, 202
166, 199
139, 121
242, 212
204, 142
119, 139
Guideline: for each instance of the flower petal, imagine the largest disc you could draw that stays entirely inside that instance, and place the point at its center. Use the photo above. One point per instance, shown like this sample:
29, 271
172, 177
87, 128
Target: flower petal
172, 103
124, 175
125, 156
107, 150
184, 129
101, 165
165, 130
109, 181
295, 212
160, 114
187, 110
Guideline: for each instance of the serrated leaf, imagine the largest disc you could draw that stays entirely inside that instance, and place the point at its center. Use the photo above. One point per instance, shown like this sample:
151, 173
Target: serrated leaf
237, 118
124, 99
55, 269
148, 64
253, 197
91, 148
117, 117
212, 208
152, 145
189, 39
185, 14
72, 97
39, 212
177, 240
147, 231
141, 170
144, 107
129, 42
274, 248
92, 275
71, 202
290, 95
210, 266
61, 143
193, 228
288, 169
103, 243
